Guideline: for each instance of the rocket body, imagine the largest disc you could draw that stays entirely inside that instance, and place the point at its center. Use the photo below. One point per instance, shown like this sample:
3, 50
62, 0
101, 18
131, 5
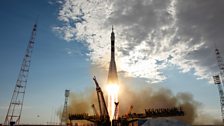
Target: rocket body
112, 81
112, 75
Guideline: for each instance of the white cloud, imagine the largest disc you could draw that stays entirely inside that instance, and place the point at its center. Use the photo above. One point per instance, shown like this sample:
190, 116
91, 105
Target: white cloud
149, 34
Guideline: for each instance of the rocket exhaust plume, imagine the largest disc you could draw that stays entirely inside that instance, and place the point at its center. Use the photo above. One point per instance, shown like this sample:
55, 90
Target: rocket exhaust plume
112, 92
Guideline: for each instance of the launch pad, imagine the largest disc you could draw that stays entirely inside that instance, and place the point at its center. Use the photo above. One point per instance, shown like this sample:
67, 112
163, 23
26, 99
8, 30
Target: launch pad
103, 119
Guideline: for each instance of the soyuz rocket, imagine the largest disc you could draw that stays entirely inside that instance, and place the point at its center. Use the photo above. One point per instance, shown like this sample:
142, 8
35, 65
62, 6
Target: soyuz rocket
113, 81
112, 75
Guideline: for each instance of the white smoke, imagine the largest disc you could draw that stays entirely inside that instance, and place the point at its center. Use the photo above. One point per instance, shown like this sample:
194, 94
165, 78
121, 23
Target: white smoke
150, 34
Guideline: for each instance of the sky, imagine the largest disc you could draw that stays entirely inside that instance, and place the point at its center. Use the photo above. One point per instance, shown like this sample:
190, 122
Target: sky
159, 43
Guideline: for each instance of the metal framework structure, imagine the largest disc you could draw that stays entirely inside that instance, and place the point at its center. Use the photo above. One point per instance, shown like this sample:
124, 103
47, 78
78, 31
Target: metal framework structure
104, 115
95, 111
64, 117
101, 100
218, 81
16, 105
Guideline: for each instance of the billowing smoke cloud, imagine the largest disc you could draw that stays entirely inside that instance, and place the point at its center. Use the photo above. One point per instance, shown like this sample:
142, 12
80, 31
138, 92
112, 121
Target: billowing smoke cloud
154, 97
161, 98
141, 99
81, 102
150, 34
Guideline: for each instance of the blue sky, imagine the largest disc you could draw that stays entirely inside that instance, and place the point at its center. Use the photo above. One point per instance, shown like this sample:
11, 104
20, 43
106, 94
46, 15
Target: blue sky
60, 61
52, 70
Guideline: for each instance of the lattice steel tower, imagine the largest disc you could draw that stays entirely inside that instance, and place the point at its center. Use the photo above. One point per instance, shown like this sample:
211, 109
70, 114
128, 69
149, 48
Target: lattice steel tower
16, 104
64, 117
220, 88
217, 81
